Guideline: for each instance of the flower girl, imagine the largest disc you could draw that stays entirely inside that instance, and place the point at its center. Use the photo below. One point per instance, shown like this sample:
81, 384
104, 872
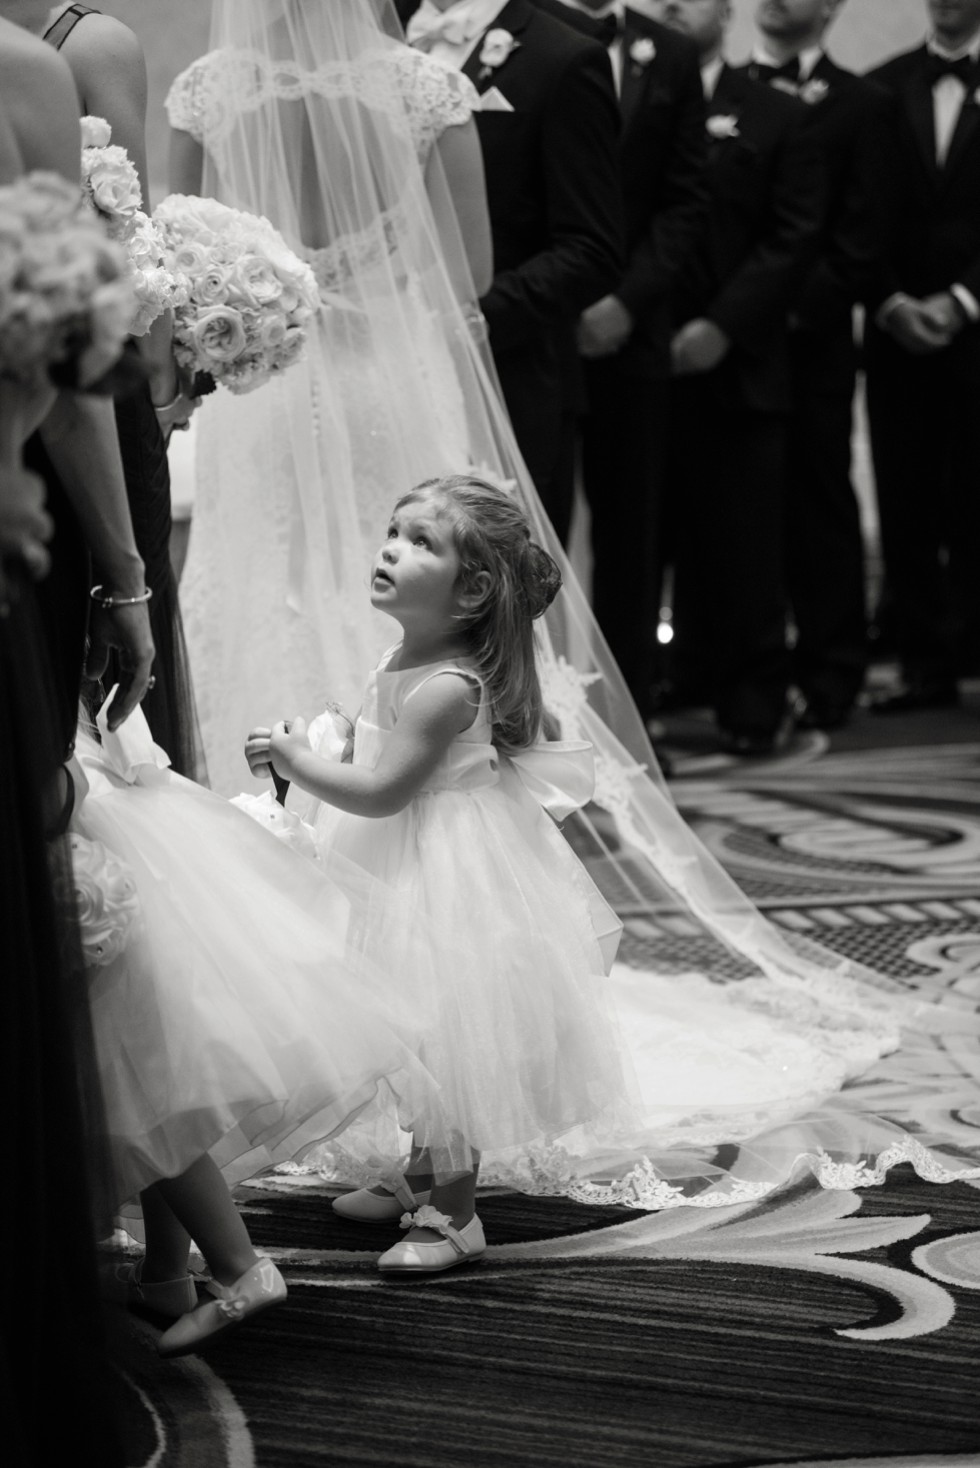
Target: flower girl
230, 1016
503, 962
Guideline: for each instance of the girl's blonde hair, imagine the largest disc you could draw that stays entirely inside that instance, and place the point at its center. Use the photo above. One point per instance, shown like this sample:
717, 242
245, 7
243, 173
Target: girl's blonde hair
520, 580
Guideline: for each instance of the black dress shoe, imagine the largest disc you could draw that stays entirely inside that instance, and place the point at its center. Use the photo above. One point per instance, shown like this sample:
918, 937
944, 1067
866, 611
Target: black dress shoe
912, 697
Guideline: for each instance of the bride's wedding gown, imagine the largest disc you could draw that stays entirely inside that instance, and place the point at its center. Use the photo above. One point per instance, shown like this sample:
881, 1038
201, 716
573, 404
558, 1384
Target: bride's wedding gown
295, 482
742, 1066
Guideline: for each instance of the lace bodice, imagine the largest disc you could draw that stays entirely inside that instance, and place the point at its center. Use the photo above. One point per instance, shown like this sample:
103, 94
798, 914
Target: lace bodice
205, 98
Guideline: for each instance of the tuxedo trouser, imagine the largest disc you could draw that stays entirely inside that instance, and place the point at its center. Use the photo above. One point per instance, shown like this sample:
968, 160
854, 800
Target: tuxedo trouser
623, 438
825, 553
922, 414
726, 534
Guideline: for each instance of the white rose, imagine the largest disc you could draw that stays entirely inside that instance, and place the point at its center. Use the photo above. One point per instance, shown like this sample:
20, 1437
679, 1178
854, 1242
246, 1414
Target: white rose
284, 824
497, 46
96, 132
106, 900
112, 182
218, 335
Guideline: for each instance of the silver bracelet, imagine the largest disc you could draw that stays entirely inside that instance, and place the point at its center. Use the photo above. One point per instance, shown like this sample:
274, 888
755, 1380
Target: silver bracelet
108, 600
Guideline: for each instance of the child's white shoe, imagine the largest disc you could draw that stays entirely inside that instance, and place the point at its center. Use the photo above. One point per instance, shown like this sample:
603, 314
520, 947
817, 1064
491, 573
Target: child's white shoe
457, 1246
369, 1207
257, 1289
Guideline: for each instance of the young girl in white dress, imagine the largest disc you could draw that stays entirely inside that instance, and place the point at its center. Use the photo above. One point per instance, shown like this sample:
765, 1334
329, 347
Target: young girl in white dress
504, 964
231, 1015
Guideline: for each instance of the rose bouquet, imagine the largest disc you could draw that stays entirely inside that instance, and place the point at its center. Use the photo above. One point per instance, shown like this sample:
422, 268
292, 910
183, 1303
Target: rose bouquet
105, 899
65, 297
250, 298
112, 186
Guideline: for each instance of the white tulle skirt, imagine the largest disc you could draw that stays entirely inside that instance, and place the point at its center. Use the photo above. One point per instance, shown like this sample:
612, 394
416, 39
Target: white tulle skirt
237, 1020
631, 1087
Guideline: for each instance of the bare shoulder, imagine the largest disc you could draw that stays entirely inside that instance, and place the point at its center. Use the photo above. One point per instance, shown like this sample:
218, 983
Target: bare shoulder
46, 134
103, 44
26, 61
446, 700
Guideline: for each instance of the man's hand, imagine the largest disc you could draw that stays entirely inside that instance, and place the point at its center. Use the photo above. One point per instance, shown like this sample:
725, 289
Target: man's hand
944, 312
916, 329
699, 346
604, 328
128, 630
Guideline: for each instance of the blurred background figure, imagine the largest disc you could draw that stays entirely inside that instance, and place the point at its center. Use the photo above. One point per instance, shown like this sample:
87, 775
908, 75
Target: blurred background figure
731, 398
847, 120
624, 338
923, 351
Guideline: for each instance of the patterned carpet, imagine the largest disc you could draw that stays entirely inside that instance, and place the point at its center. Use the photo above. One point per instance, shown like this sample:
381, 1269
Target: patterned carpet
815, 1328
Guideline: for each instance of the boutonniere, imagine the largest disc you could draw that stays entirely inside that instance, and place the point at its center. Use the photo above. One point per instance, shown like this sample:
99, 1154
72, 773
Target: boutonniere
813, 91
497, 46
641, 53
723, 125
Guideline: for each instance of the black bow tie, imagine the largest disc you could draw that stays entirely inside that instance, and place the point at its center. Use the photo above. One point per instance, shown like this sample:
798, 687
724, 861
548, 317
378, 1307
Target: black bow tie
789, 71
963, 68
607, 29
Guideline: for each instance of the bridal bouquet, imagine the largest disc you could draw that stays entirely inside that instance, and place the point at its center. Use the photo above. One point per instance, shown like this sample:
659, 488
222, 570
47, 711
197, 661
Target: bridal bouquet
112, 186
250, 298
64, 291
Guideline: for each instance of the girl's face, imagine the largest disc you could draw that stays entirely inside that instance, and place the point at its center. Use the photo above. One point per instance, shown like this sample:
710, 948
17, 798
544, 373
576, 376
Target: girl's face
415, 573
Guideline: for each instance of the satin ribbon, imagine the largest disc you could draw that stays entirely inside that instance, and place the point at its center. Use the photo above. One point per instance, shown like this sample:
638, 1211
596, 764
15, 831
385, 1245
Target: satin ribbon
130, 749
559, 774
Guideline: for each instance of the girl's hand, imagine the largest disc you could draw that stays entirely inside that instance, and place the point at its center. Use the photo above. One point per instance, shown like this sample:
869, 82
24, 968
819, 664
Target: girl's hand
258, 754
288, 741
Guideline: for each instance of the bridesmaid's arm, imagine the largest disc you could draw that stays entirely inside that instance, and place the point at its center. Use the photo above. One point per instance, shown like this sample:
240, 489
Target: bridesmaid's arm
109, 68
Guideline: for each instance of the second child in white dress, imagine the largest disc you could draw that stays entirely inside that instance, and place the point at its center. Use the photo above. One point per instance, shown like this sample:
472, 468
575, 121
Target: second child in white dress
445, 801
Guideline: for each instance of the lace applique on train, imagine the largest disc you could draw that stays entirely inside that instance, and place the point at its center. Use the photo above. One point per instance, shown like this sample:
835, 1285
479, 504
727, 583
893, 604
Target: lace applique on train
206, 97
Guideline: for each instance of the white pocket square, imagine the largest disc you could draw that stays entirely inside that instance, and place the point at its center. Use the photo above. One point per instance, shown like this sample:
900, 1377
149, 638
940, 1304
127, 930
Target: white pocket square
494, 101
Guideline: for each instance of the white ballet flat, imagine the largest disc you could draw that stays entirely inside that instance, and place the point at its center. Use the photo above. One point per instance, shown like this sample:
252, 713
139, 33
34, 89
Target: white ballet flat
457, 1246
123, 1284
368, 1207
257, 1289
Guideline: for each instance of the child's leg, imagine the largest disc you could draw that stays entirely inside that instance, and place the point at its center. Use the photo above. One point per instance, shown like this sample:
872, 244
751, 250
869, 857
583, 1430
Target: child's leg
167, 1241
201, 1203
457, 1199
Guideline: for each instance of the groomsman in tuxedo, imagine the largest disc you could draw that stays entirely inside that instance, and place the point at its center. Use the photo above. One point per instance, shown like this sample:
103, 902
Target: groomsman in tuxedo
624, 338
923, 351
848, 121
731, 397
549, 126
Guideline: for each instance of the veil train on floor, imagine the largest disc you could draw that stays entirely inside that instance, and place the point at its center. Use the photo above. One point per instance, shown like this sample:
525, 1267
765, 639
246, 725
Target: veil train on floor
304, 119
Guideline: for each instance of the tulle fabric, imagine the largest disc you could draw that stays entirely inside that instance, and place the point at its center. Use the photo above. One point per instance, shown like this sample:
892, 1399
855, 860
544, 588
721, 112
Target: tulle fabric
237, 1020
301, 120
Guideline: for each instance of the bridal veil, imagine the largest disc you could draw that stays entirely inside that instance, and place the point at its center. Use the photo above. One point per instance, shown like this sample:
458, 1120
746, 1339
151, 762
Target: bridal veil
307, 118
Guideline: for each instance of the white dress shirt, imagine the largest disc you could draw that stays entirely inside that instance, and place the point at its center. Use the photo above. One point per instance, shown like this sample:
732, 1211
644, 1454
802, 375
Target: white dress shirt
465, 21
948, 96
710, 72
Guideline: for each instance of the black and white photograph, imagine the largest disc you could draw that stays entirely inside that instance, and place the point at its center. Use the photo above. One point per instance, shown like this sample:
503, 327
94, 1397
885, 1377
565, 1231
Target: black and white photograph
490, 733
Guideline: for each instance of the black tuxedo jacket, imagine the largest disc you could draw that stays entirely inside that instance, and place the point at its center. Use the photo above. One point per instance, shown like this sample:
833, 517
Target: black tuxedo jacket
552, 177
765, 213
662, 158
936, 239
849, 120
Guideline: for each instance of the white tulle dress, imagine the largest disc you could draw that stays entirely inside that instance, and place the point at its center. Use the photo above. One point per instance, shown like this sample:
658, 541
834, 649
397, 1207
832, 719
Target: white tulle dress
232, 1014
553, 1069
